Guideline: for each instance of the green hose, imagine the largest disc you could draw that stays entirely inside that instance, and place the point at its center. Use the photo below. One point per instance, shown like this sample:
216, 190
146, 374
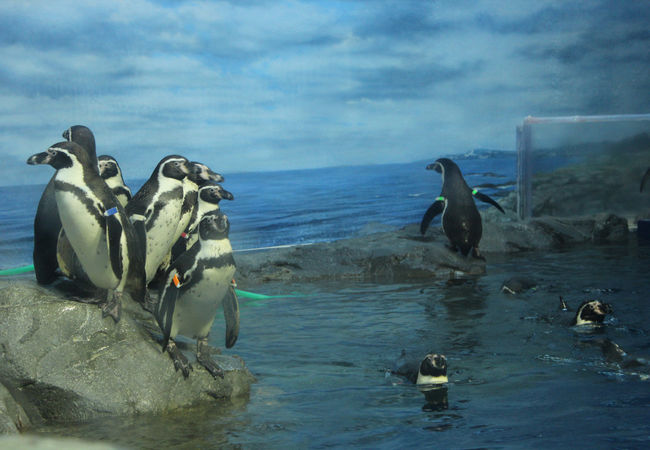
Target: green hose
245, 294
17, 270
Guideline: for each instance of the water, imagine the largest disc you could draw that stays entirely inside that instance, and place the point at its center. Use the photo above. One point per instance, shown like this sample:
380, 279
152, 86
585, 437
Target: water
519, 375
292, 207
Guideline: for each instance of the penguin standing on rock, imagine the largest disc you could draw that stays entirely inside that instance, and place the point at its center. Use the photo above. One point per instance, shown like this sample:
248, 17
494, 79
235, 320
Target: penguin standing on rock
47, 224
110, 171
95, 224
199, 175
461, 221
156, 208
209, 197
197, 283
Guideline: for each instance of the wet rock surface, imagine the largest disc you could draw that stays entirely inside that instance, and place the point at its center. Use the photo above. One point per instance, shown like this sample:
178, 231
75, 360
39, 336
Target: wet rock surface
62, 362
406, 255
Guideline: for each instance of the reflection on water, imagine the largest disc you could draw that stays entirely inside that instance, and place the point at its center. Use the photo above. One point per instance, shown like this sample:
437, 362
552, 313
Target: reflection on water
518, 374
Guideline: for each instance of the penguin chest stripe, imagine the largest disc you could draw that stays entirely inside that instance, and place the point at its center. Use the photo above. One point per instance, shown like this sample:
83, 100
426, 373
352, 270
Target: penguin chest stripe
85, 198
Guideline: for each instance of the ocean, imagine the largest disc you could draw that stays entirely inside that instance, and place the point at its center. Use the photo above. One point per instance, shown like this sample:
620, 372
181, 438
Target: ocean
291, 207
519, 375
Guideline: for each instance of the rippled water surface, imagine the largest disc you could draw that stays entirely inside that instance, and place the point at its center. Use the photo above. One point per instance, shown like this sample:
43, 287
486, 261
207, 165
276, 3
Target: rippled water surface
519, 375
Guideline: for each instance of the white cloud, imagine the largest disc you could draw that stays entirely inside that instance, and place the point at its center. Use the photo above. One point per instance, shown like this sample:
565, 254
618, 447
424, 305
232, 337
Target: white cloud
271, 85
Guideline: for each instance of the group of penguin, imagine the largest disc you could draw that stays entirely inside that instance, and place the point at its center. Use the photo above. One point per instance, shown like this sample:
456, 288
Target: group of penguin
171, 235
462, 225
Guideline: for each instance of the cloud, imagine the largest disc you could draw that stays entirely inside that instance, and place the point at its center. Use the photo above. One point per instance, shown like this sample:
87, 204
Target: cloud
268, 85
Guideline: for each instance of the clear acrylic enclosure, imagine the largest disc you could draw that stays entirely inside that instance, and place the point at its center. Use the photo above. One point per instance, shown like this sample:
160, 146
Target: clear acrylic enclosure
583, 165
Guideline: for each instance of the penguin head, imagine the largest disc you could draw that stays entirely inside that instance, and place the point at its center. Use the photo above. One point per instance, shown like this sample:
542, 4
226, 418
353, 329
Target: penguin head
591, 312
214, 193
444, 166
433, 369
60, 156
214, 225
173, 166
84, 137
108, 167
200, 173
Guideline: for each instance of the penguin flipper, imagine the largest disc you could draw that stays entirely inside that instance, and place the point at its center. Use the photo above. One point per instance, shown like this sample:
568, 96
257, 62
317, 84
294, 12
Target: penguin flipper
231, 314
47, 225
486, 199
436, 208
645, 178
113, 237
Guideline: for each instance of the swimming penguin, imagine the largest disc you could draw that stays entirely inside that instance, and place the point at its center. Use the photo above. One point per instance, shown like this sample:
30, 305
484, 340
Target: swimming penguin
156, 208
591, 312
516, 285
209, 197
197, 283
430, 370
110, 171
96, 225
46, 222
645, 178
461, 220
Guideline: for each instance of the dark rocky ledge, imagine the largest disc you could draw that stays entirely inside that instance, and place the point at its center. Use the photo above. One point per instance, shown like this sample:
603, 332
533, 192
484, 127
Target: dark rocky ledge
61, 362
406, 255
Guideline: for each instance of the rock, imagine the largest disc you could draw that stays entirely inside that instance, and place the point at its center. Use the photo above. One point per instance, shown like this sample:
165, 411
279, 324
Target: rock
404, 254
386, 256
610, 228
63, 362
52, 443
12, 416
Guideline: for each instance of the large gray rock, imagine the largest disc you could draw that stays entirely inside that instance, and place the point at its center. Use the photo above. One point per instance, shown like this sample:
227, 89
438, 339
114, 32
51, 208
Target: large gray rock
62, 362
386, 256
12, 416
403, 254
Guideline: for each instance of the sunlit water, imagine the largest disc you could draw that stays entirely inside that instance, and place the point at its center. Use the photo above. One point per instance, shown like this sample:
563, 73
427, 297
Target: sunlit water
519, 375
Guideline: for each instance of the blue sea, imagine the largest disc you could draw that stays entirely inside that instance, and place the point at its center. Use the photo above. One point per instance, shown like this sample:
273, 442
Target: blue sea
292, 207
519, 375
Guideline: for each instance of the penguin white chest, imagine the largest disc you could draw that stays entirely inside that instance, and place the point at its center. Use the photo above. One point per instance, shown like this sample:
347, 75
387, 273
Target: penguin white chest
87, 236
195, 311
162, 234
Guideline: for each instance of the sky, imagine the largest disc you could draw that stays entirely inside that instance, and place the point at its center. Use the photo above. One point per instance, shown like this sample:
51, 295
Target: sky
265, 85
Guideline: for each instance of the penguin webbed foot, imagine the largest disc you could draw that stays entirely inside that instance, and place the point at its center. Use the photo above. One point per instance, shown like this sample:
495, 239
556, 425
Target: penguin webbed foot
149, 304
203, 357
476, 254
180, 361
112, 306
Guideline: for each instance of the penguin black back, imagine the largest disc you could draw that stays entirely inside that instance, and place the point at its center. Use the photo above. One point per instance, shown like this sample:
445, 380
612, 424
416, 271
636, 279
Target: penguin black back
461, 221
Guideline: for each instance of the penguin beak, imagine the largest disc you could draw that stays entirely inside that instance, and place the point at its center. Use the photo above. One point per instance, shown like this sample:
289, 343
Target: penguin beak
40, 158
214, 176
226, 195
434, 166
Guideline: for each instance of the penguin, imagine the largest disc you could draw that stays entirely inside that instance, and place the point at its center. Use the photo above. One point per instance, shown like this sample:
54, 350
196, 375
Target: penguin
516, 285
156, 208
644, 180
591, 312
208, 198
199, 174
110, 171
430, 370
197, 283
47, 224
461, 221
96, 225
